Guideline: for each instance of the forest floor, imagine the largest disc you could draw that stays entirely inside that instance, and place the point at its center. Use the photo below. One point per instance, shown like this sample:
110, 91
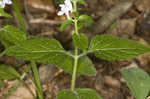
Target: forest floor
41, 20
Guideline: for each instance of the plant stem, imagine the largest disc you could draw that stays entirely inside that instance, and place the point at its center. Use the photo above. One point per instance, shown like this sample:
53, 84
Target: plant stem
76, 49
76, 26
75, 60
74, 70
75, 5
37, 80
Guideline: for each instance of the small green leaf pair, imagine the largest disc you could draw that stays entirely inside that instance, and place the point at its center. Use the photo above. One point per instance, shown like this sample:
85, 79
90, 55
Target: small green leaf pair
103, 46
83, 20
78, 94
50, 51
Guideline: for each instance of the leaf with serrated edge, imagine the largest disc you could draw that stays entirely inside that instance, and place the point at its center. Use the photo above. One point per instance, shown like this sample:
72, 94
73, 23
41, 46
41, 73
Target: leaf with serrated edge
85, 67
114, 48
50, 51
41, 50
138, 81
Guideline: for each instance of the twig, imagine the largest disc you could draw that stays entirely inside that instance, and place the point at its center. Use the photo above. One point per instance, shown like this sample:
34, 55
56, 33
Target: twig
27, 14
109, 17
44, 21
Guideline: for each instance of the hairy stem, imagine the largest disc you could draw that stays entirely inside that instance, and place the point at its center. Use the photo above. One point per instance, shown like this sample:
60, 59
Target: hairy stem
74, 5
76, 49
76, 26
74, 70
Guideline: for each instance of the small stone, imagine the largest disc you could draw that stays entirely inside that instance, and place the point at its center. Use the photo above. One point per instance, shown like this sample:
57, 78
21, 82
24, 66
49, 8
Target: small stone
23, 93
112, 82
145, 24
46, 72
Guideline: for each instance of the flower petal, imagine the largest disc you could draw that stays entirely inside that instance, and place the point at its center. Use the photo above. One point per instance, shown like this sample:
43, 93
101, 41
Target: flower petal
2, 4
60, 13
67, 14
7, 1
65, 8
61, 5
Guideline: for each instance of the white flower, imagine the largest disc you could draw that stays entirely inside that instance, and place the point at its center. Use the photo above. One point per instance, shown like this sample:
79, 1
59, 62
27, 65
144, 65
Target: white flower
4, 2
65, 8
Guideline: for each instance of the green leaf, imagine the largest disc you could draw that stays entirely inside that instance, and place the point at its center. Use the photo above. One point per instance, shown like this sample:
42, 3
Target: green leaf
87, 94
43, 50
81, 41
138, 81
65, 24
85, 67
50, 51
80, 25
4, 14
81, 2
66, 94
86, 20
78, 94
6, 43
11, 35
114, 48
38, 49
7, 72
